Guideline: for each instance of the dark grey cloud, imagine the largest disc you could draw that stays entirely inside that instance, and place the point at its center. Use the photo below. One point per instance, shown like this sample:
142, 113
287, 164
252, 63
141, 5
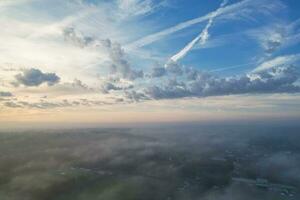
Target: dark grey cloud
277, 80
158, 72
172, 89
11, 104
35, 77
136, 96
174, 68
39, 105
45, 104
48, 104
108, 86
5, 94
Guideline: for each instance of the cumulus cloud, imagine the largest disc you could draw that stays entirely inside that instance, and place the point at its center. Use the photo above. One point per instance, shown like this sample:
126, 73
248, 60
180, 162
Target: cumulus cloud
174, 68
277, 80
158, 72
108, 86
77, 39
120, 65
79, 84
35, 77
170, 68
136, 96
5, 94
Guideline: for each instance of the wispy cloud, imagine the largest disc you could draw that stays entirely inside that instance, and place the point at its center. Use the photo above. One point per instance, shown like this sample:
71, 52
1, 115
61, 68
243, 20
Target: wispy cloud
9, 3
277, 62
223, 11
132, 8
201, 38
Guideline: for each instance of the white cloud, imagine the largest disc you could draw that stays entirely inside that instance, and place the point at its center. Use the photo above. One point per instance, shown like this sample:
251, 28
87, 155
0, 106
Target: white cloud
201, 38
230, 12
136, 7
9, 3
277, 62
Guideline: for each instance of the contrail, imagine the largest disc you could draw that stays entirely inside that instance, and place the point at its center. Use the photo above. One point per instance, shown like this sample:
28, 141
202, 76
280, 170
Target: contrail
159, 35
232, 67
202, 37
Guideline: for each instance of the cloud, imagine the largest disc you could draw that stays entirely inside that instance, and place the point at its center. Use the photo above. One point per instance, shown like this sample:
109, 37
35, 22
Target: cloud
136, 96
174, 68
108, 86
120, 65
35, 77
75, 38
47, 103
170, 68
5, 94
79, 84
12, 105
132, 8
239, 8
42, 104
270, 38
276, 36
277, 80
158, 72
201, 38
8, 3
277, 61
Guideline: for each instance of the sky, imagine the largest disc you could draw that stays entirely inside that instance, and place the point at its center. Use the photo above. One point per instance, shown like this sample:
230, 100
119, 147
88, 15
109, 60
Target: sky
139, 61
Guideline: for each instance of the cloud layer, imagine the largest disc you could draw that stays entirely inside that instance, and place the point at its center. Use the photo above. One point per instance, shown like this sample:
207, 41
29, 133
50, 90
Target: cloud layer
201, 84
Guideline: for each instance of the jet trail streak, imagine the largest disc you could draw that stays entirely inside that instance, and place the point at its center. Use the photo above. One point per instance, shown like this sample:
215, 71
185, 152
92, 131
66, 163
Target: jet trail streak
202, 37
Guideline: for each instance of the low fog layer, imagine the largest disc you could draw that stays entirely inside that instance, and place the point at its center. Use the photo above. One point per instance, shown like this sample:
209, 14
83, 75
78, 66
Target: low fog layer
183, 163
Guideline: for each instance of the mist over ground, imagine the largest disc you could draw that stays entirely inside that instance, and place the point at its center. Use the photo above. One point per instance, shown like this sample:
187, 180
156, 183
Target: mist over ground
206, 162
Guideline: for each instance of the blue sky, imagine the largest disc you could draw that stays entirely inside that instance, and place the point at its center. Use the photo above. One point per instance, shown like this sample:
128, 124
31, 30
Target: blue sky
195, 58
